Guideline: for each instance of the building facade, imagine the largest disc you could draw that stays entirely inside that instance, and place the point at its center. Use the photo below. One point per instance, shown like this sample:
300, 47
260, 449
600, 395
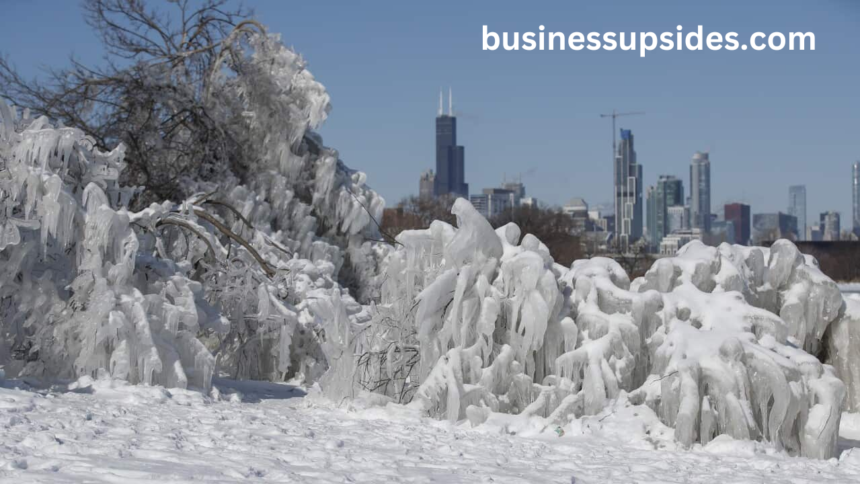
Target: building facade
426, 184
797, 207
628, 193
494, 201
768, 227
700, 192
651, 217
677, 218
829, 226
450, 157
671, 243
738, 214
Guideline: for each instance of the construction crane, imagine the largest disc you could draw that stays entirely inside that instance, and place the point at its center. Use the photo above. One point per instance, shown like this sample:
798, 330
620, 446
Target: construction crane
614, 115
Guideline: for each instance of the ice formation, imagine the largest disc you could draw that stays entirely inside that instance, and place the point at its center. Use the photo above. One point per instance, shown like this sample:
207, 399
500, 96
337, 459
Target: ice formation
242, 278
249, 278
716, 340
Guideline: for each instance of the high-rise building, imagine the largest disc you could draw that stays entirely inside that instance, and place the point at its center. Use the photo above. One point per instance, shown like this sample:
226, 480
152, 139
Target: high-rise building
450, 157
628, 193
425, 184
855, 193
829, 226
738, 214
768, 227
651, 217
700, 192
669, 192
797, 207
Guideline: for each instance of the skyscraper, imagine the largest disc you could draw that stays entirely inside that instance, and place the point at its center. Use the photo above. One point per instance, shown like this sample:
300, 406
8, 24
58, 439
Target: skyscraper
700, 192
738, 214
669, 192
797, 207
628, 193
651, 217
450, 157
855, 192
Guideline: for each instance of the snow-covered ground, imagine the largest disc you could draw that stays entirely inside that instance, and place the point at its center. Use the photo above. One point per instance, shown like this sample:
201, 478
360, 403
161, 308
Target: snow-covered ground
108, 431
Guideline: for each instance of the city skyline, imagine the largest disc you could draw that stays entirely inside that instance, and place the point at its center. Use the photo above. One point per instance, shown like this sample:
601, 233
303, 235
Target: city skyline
754, 111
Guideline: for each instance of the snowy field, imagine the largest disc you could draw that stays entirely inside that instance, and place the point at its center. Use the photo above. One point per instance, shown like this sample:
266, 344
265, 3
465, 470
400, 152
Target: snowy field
108, 431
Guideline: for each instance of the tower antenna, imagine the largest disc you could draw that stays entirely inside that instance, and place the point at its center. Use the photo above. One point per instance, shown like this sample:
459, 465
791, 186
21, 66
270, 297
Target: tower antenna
450, 102
440, 101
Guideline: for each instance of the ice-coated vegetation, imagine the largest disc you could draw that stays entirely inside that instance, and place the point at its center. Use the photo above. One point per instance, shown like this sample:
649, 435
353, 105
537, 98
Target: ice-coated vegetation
280, 274
474, 323
239, 279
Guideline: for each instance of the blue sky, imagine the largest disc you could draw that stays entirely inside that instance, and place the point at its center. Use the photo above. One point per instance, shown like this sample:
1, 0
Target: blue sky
770, 119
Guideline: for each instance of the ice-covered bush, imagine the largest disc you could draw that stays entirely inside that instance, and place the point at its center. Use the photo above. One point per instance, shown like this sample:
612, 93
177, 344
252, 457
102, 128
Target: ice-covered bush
716, 341
79, 297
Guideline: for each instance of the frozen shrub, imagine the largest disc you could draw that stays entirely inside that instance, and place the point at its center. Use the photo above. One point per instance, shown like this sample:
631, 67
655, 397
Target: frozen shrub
715, 340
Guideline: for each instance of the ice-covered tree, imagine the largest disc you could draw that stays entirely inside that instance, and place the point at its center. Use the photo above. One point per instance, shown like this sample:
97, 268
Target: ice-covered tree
251, 241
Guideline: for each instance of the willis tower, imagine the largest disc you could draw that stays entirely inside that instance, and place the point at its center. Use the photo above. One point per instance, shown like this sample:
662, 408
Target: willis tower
450, 158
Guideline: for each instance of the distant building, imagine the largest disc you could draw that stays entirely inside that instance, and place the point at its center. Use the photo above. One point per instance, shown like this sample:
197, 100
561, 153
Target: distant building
518, 189
425, 185
628, 193
529, 202
576, 206
608, 223
797, 207
721, 231
669, 192
677, 218
813, 234
674, 241
855, 197
829, 226
493, 201
768, 227
738, 214
700, 192
577, 209
450, 157
651, 217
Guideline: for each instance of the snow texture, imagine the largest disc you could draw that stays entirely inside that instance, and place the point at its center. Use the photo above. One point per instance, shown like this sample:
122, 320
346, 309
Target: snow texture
106, 431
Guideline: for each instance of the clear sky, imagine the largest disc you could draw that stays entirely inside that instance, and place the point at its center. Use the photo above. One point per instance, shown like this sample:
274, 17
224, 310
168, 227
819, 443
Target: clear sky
770, 119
